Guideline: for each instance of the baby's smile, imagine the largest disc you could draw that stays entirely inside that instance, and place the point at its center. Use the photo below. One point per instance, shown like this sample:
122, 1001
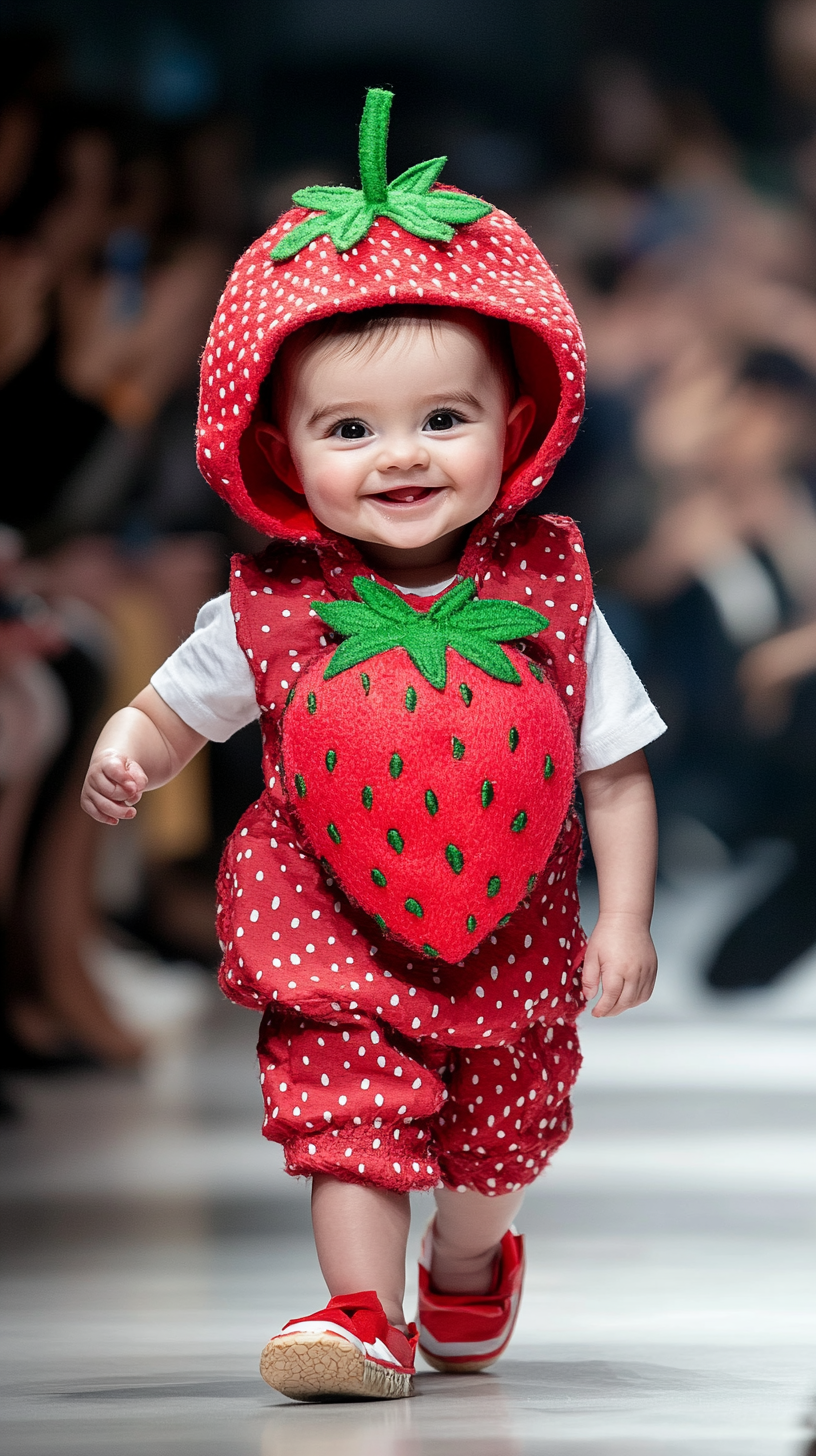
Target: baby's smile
406, 495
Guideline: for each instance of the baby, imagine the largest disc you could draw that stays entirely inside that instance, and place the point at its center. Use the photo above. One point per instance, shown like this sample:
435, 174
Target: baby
382, 397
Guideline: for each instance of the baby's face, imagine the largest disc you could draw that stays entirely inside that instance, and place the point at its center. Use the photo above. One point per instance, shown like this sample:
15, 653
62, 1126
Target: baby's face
403, 441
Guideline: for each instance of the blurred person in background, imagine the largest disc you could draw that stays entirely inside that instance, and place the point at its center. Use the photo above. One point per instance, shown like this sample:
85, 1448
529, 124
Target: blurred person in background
112, 254
694, 470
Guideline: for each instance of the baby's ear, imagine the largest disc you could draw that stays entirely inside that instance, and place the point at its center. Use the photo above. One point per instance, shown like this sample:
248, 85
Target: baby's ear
520, 421
273, 446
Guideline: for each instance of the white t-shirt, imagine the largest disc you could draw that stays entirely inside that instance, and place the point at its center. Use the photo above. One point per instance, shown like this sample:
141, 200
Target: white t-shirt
209, 683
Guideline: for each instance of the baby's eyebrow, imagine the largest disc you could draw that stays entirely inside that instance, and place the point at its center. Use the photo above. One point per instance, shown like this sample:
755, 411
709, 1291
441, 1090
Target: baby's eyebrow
356, 409
352, 410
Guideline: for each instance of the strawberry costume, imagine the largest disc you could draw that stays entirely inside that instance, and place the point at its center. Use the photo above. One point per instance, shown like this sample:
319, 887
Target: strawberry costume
401, 903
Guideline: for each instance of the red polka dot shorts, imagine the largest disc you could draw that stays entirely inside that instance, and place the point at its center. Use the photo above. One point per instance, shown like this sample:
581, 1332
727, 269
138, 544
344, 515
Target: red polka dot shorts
368, 1105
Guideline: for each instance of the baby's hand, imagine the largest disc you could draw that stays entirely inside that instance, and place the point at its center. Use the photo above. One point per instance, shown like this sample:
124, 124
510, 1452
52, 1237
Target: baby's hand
113, 786
621, 956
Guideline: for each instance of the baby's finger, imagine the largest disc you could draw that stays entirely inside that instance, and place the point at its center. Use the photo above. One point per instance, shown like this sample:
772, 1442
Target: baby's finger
104, 808
121, 790
590, 976
118, 771
613, 984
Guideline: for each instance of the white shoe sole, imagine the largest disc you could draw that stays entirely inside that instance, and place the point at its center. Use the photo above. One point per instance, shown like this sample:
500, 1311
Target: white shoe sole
325, 1366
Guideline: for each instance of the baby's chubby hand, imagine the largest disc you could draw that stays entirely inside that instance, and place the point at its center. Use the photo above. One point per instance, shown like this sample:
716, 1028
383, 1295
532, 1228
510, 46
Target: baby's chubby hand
621, 957
114, 784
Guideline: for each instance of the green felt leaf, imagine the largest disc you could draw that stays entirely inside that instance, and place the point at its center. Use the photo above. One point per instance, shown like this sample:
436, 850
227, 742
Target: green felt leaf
428, 656
326, 199
299, 237
355, 650
486, 655
419, 177
503, 621
416, 219
456, 207
388, 603
346, 617
352, 227
453, 600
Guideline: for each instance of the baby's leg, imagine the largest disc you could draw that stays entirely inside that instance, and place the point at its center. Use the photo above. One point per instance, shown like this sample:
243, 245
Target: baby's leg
361, 1234
468, 1230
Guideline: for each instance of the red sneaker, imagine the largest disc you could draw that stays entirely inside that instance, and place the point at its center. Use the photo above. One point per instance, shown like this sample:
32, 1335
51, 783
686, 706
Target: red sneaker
469, 1331
348, 1348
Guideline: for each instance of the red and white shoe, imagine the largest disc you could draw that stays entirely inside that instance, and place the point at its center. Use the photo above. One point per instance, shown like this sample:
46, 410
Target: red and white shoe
469, 1331
348, 1348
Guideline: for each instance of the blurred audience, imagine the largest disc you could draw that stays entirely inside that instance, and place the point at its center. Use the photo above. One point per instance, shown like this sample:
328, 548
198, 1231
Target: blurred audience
113, 252
695, 474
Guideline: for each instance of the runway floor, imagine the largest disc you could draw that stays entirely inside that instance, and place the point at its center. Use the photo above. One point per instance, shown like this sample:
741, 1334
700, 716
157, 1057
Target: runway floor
151, 1246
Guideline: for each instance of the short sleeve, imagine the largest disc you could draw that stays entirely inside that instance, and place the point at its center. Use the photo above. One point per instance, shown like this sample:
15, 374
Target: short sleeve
208, 680
619, 716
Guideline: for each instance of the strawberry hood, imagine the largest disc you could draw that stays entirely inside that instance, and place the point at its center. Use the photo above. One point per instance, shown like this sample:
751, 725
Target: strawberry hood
340, 250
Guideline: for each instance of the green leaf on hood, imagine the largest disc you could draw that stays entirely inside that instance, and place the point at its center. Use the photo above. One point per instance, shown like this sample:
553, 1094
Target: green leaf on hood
347, 213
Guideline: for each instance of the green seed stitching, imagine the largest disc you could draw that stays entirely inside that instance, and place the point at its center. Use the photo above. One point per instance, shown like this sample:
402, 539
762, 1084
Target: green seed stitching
331, 760
367, 796
379, 878
471, 923
410, 699
290, 695
431, 801
395, 766
493, 886
396, 840
378, 920
455, 859
326, 867
536, 671
465, 694
366, 681
311, 703
549, 767
428, 950
333, 832
300, 785
531, 883
458, 748
519, 822
487, 794
414, 908
505, 920
513, 739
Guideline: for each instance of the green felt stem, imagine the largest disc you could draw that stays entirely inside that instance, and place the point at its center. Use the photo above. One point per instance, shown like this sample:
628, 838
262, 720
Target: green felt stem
373, 145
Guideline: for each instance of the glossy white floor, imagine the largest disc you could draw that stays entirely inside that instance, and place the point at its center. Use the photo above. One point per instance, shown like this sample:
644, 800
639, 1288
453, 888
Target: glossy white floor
152, 1245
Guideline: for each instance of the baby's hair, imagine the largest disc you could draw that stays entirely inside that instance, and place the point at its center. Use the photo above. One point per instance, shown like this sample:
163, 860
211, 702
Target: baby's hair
374, 327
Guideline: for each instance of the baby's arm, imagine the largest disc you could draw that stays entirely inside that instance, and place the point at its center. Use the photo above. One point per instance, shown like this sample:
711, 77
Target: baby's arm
141, 747
622, 825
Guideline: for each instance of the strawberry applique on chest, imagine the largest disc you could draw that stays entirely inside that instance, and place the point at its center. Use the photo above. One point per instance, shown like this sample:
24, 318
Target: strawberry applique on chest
431, 768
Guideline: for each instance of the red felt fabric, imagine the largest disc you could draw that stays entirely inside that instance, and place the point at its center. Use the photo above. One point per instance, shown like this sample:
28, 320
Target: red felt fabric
353, 1100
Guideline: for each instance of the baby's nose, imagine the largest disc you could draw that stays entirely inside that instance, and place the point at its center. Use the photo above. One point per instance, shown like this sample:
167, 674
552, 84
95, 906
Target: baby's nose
402, 453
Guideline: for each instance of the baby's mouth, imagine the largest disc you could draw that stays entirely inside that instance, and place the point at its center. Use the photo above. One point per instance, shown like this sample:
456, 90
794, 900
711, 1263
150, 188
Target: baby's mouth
406, 495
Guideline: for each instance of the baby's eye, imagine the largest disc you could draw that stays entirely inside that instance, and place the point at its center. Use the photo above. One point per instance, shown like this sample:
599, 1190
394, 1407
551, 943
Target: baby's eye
351, 430
442, 420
